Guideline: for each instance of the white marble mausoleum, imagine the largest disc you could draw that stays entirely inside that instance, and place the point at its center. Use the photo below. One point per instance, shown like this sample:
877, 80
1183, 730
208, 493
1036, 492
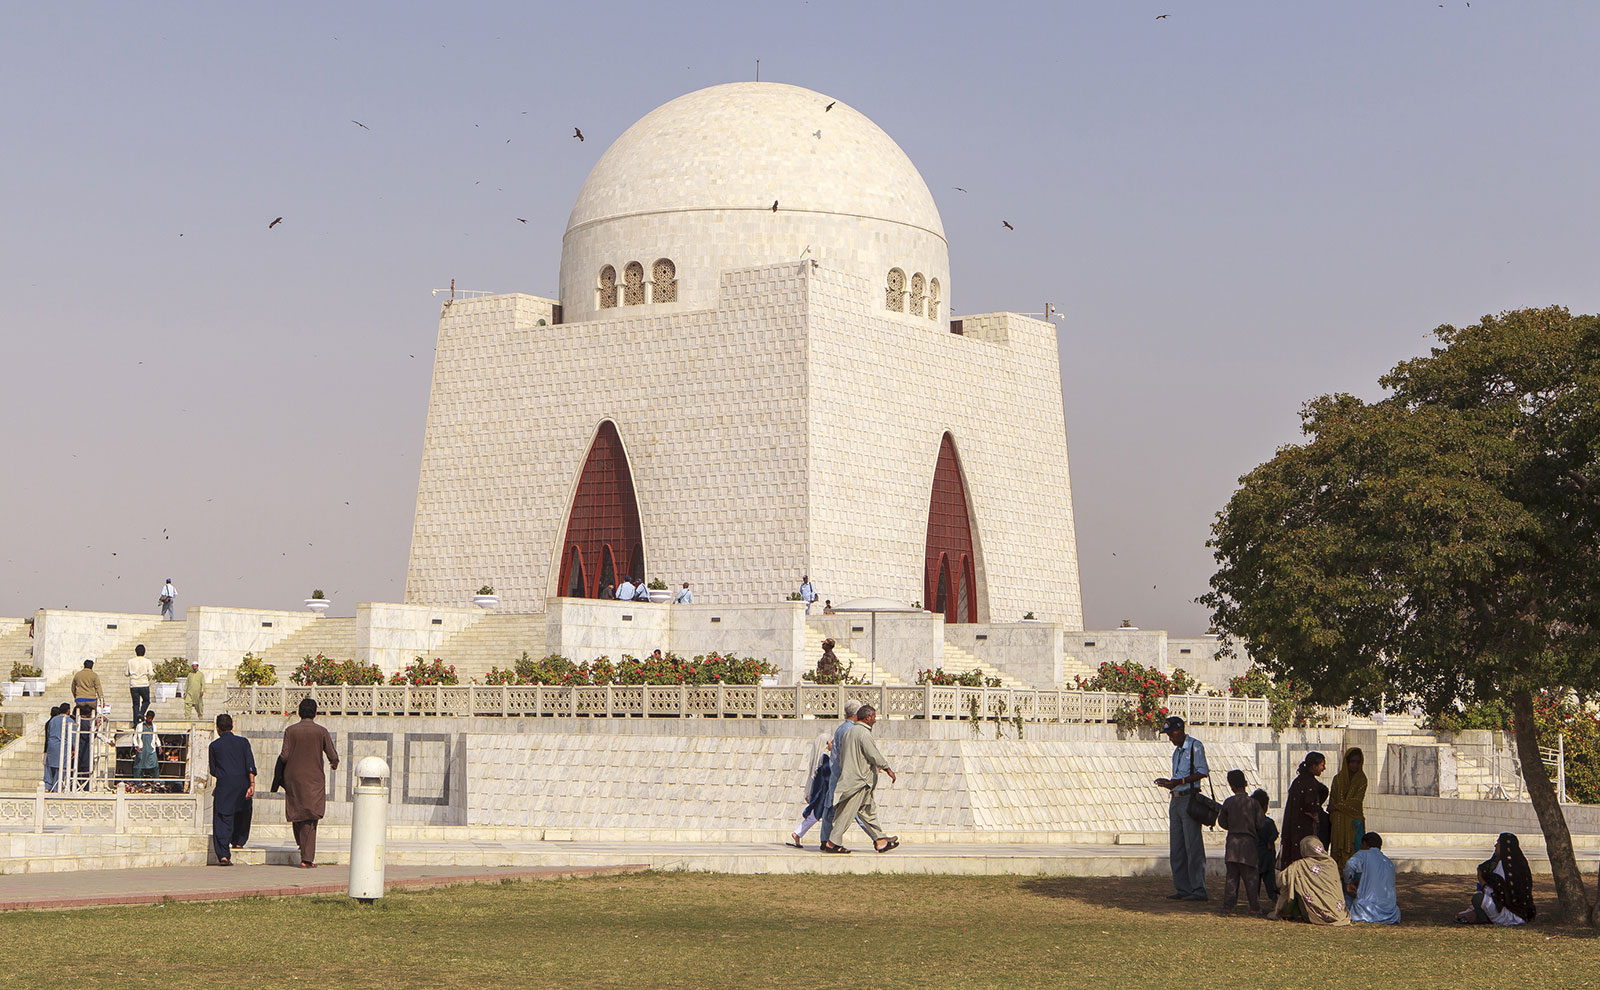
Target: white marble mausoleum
751, 373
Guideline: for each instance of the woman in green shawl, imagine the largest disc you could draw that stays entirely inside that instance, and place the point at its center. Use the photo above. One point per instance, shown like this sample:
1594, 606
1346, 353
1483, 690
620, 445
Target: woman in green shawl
1345, 810
1310, 888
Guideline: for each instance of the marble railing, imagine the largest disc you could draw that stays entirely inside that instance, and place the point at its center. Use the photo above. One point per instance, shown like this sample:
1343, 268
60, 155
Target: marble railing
732, 701
98, 812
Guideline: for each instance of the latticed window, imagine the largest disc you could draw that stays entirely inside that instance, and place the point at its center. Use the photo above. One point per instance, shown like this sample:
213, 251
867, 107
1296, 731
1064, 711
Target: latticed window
933, 299
918, 293
608, 287
633, 284
663, 281
894, 298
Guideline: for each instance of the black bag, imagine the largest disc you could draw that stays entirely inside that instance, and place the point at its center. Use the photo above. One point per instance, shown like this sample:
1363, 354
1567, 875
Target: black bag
277, 775
1201, 808
1204, 810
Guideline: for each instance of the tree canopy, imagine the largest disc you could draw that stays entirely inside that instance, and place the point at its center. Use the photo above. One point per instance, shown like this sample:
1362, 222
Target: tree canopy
1441, 544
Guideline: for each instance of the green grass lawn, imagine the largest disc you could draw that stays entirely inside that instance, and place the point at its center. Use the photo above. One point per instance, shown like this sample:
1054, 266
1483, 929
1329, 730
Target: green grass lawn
658, 930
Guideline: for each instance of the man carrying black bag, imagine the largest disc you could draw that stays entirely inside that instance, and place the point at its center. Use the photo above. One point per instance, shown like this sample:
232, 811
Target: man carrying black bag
1188, 850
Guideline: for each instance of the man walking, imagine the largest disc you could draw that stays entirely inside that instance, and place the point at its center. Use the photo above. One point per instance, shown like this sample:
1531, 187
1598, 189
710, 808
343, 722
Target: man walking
1188, 851
139, 670
233, 767
194, 693
684, 596
808, 593
305, 786
851, 708
169, 595
858, 778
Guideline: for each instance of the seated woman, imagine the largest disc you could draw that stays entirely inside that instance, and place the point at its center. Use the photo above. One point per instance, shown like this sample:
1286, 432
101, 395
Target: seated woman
1505, 887
1309, 888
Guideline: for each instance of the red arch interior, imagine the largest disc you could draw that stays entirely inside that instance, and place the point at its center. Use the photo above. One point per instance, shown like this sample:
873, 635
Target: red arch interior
603, 526
949, 563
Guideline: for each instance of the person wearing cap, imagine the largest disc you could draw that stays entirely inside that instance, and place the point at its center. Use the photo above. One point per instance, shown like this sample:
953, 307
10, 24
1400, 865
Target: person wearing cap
1187, 849
850, 708
194, 693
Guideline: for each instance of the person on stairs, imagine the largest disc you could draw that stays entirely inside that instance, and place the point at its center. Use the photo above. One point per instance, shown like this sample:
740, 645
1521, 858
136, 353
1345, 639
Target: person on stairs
139, 671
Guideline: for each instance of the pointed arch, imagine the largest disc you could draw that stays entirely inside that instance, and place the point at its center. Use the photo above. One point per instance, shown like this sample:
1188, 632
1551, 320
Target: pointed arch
950, 577
603, 521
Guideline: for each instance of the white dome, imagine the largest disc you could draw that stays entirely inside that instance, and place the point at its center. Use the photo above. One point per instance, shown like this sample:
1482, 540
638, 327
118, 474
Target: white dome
694, 181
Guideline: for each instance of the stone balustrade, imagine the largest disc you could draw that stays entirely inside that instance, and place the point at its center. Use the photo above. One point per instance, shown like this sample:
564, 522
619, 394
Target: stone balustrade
99, 812
732, 701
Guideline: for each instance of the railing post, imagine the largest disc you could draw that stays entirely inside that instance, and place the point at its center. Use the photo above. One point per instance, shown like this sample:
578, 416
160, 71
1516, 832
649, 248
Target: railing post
254, 707
683, 701
438, 698
505, 700
883, 699
572, 700
38, 804
538, 700
610, 703
722, 697
119, 814
927, 700
761, 701
644, 701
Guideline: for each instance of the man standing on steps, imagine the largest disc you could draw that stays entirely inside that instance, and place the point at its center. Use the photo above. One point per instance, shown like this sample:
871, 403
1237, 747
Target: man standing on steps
169, 596
1188, 851
139, 671
808, 591
194, 693
86, 690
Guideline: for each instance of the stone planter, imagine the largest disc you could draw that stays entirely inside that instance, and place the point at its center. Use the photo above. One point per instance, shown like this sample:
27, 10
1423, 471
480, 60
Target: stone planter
486, 601
10, 689
661, 595
163, 691
318, 605
33, 686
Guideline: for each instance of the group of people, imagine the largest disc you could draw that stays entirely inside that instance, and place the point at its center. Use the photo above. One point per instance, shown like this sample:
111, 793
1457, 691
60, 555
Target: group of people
841, 781
298, 773
1330, 870
628, 591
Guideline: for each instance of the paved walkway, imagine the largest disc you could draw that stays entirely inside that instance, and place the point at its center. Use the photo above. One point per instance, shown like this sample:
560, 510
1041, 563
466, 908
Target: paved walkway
101, 888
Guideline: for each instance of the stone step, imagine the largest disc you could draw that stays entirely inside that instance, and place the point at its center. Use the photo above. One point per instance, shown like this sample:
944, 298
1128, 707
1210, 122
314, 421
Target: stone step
958, 660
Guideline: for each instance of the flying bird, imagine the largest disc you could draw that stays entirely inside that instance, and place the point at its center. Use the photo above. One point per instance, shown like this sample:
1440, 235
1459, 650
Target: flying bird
274, 223
1162, 17
774, 206
520, 220
577, 134
361, 125
1007, 225
829, 106
958, 189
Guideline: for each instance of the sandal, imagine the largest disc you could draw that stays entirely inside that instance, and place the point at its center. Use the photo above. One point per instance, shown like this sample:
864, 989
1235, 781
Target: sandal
795, 842
889, 842
833, 847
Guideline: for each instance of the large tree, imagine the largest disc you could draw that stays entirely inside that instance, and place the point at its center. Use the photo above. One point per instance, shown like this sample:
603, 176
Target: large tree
1441, 544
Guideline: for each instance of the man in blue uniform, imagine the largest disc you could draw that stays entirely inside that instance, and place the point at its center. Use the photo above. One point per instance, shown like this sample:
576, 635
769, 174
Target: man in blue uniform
233, 767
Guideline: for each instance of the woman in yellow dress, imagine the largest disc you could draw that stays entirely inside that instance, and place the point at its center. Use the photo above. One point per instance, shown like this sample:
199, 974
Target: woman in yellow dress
1345, 807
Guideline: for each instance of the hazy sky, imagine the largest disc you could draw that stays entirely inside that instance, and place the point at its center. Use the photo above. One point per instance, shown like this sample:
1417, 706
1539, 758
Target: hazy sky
1237, 207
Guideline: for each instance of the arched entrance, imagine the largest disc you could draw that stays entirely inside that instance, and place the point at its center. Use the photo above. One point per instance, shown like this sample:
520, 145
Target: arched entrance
950, 575
603, 523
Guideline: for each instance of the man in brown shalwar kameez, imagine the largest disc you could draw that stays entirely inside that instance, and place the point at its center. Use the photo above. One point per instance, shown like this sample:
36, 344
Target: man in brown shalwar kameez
305, 786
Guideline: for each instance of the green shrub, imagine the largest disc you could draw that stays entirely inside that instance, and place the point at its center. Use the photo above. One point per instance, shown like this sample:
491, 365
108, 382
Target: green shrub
1286, 700
426, 673
253, 670
325, 671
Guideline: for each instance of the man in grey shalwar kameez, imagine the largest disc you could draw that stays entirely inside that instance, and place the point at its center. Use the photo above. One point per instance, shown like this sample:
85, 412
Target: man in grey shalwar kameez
859, 763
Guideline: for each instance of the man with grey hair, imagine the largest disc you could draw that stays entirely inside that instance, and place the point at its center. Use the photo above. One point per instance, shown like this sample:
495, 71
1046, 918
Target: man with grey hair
851, 707
859, 762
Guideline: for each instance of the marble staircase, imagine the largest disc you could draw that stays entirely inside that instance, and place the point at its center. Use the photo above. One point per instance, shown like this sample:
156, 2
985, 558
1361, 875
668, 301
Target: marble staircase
859, 665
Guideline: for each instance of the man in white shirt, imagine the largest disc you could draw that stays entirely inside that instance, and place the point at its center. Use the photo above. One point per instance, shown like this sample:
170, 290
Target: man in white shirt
808, 591
139, 671
625, 591
684, 596
169, 595
642, 592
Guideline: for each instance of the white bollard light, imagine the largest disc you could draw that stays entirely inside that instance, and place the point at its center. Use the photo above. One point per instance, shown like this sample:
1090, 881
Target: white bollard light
369, 819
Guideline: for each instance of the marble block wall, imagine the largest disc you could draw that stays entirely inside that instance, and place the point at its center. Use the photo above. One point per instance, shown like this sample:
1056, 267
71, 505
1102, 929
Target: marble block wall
218, 637
392, 636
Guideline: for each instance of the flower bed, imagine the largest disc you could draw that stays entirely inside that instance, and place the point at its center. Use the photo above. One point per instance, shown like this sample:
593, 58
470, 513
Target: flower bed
1151, 685
19, 670
169, 670
325, 671
713, 668
426, 673
253, 670
1286, 700
938, 677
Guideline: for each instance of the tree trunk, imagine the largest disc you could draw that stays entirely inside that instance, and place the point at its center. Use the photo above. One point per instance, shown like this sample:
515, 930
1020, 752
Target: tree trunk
1575, 907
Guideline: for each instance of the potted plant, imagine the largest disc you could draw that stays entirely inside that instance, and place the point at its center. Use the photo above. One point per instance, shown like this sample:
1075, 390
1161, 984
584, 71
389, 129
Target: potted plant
318, 602
486, 598
1029, 617
29, 678
167, 677
658, 591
